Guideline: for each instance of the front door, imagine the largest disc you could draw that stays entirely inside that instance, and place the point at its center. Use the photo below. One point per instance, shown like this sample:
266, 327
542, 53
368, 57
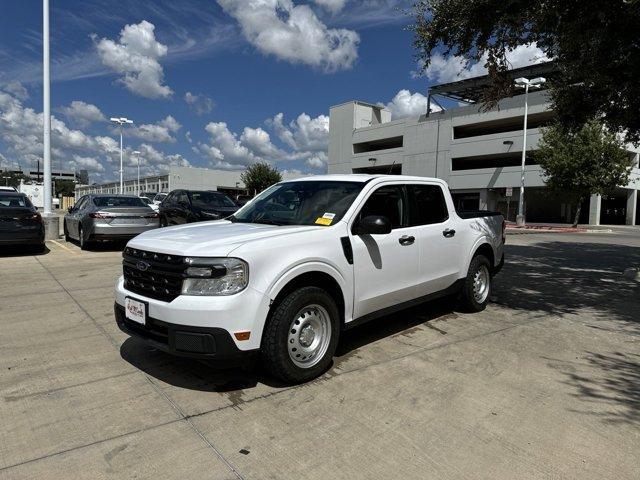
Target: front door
385, 266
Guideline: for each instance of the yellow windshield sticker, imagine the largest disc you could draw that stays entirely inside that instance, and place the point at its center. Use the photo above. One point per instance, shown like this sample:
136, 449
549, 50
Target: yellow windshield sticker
324, 221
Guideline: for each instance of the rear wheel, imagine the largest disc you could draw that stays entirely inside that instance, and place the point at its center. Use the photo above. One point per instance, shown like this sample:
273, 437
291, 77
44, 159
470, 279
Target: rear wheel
301, 335
477, 285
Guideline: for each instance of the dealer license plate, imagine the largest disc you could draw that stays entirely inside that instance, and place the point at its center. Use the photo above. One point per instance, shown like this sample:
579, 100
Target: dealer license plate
135, 310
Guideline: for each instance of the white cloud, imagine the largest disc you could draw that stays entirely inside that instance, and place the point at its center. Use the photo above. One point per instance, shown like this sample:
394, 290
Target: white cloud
83, 114
318, 161
200, 104
334, 6
21, 138
444, 70
293, 33
17, 90
305, 133
406, 104
136, 55
155, 132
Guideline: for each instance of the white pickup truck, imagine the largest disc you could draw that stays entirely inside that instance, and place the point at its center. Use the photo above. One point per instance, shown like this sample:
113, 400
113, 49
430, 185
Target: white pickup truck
304, 260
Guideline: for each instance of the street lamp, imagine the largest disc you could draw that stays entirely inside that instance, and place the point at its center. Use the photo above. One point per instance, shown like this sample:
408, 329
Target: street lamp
121, 122
526, 84
137, 154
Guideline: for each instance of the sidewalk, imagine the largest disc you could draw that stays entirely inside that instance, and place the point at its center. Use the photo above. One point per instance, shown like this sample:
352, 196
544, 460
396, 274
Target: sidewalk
512, 228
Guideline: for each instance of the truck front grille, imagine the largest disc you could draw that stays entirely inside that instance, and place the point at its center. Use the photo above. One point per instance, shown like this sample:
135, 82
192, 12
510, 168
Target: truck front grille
154, 275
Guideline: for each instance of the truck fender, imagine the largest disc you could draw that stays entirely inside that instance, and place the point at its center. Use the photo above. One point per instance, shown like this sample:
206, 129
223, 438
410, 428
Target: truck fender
311, 267
485, 239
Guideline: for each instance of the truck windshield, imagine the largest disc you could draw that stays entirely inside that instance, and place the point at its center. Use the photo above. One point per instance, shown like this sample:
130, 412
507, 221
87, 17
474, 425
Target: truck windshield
301, 203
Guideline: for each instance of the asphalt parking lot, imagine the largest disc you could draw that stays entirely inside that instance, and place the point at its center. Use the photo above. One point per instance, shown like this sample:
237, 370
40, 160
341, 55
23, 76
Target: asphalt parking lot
543, 384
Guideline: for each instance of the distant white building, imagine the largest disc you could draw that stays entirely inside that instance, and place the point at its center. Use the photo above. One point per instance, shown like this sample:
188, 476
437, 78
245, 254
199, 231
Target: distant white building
188, 178
477, 152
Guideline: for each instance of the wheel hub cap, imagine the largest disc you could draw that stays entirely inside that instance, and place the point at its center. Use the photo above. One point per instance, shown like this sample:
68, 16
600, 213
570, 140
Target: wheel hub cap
481, 284
309, 336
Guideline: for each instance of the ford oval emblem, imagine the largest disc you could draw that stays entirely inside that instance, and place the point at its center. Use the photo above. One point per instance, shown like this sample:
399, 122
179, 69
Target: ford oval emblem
142, 266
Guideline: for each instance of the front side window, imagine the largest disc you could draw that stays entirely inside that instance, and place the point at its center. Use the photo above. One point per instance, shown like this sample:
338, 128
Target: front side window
387, 202
314, 202
428, 205
204, 200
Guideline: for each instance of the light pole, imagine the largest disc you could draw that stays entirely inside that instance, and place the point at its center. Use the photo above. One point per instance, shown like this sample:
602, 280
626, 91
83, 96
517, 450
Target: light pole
137, 154
526, 84
121, 122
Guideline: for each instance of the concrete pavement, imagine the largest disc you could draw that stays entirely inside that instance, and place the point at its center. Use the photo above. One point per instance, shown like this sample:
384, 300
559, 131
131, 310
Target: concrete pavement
544, 384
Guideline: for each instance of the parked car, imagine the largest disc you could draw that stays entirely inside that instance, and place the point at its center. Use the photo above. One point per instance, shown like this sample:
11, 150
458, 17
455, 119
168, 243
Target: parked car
108, 217
20, 222
306, 259
159, 198
149, 203
187, 206
8, 189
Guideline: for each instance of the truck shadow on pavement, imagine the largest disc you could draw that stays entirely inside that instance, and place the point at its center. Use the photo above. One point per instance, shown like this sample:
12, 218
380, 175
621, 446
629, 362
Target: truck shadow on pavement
584, 279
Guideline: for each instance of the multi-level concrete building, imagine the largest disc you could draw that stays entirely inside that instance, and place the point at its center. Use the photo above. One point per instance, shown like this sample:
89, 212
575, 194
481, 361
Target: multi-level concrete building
477, 152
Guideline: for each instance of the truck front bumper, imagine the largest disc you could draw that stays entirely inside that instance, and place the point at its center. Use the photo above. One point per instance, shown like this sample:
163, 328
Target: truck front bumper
198, 326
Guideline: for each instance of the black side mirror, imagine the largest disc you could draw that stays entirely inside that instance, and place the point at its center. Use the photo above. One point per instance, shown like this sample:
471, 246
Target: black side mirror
372, 225
70, 209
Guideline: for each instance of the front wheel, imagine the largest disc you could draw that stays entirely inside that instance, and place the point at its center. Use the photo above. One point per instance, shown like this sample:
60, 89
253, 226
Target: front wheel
477, 286
301, 335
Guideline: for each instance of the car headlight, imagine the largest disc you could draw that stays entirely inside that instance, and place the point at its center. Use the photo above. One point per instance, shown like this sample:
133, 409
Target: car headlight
215, 276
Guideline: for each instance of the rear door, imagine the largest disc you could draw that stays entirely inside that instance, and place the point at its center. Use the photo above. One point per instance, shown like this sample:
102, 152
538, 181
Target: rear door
75, 216
439, 246
385, 266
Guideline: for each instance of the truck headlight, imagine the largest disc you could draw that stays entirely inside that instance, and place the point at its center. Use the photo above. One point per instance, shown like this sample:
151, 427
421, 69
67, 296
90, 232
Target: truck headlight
215, 276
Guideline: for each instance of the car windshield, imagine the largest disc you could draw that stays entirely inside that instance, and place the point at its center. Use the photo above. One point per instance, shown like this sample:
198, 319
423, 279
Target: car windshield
145, 200
206, 200
160, 196
14, 201
301, 203
102, 202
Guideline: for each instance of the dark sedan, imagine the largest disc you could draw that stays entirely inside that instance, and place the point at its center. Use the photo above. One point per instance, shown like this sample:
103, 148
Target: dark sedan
187, 206
108, 217
20, 222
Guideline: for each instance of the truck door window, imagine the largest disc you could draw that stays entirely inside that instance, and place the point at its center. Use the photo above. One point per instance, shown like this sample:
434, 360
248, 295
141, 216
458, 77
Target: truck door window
428, 205
387, 202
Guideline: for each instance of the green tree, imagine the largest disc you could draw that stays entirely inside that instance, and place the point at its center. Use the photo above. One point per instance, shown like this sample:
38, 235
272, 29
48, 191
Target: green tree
13, 179
259, 176
66, 188
583, 162
593, 42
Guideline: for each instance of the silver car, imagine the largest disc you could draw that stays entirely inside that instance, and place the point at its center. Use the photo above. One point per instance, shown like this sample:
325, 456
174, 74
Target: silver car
108, 217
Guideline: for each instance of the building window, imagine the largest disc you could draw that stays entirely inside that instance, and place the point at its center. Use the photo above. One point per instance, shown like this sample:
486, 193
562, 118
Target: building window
504, 125
376, 145
490, 161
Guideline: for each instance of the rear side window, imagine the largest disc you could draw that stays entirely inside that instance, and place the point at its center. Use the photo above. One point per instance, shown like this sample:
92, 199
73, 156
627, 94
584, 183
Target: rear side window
14, 201
387, 202
428, 205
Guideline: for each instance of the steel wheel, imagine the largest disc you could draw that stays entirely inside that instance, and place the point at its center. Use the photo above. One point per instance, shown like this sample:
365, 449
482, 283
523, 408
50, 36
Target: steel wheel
481, 281
309, 336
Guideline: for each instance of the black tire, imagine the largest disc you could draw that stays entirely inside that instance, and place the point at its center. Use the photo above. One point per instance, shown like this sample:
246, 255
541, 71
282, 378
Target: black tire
84, 242
67, 238
275, 347
469, 300
163, 221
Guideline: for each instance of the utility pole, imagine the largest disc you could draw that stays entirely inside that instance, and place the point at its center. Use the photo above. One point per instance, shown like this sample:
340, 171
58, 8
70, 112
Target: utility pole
121, 121
51, 221
526, 84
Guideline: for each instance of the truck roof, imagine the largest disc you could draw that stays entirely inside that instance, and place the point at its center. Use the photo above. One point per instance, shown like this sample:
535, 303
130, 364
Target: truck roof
360, 177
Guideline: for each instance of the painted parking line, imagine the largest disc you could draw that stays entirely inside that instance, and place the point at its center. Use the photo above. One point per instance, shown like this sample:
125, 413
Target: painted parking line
64, 247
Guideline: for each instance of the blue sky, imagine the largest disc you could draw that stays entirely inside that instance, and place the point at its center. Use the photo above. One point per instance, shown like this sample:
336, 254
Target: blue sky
219, 84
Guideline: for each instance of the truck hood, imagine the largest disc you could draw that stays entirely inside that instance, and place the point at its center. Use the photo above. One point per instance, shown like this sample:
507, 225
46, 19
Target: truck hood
209, 239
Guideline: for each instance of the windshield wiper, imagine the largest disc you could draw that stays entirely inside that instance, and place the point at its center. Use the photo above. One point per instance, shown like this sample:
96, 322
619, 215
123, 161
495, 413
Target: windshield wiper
264, 221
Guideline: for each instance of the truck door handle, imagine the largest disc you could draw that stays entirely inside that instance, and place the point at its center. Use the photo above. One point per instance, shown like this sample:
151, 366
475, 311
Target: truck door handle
406, 240
448, 233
